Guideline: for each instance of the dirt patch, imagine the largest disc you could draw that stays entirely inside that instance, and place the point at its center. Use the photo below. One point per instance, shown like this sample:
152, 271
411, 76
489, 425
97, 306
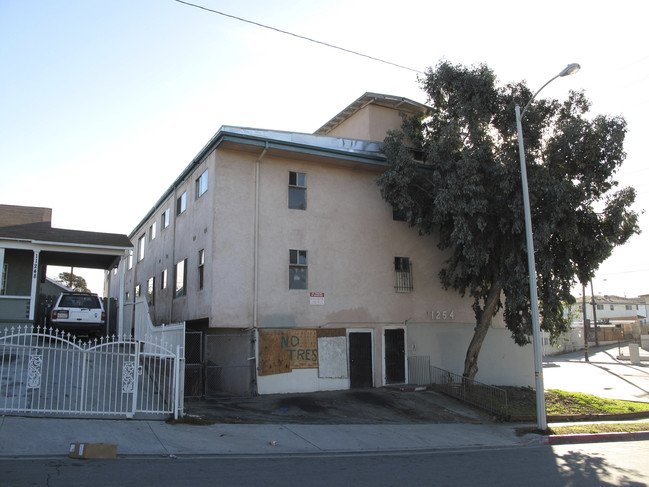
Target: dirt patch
366, 406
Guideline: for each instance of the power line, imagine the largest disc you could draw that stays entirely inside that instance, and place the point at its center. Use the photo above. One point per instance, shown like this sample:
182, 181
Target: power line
356, 53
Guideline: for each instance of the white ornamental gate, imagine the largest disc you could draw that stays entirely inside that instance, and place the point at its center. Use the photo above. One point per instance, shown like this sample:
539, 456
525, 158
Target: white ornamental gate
44, 372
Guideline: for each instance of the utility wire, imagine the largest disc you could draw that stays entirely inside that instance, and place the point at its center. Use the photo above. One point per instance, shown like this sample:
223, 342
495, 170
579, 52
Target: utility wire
300, 37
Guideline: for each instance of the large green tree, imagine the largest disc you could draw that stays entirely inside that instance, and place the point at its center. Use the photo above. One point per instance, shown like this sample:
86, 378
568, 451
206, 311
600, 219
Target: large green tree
74, 282
455, 173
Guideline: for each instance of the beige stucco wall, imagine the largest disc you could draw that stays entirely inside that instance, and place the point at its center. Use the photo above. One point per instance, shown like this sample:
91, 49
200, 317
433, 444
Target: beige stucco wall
369, 123
351, 241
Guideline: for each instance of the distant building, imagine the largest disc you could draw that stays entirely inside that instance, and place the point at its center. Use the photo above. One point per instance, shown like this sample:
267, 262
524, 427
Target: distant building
611, 309
293, 274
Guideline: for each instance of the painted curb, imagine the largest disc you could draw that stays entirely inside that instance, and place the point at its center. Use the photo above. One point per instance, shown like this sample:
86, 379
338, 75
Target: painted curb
593, 438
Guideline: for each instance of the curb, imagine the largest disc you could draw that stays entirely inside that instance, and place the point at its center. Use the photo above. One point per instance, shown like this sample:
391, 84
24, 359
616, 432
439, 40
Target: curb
593, 438
583, 417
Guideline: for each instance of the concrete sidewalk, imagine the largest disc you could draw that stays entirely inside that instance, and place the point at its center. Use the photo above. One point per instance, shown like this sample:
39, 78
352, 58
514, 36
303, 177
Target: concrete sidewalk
604, 375
42, 437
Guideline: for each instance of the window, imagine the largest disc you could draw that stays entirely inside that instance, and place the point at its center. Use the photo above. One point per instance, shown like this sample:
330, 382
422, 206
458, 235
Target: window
629, 306
612, 307
3, 281
150, 286
297, 191
398, 215
181, 275
181, 203
297, 269
201, 268
163, 279
152, 231
403, 271
164, 222
600, 306
138, 291
201, 184
130, 259
140, 247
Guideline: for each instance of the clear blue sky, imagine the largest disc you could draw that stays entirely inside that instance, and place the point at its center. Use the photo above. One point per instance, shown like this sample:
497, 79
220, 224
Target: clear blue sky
104, 102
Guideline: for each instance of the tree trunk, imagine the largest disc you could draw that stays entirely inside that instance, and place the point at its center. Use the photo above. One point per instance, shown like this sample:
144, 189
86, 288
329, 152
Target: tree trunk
480, 332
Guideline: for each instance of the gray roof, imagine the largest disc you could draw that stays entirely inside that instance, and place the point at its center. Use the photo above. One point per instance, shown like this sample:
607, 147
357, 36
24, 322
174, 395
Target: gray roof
69, 247
43, 232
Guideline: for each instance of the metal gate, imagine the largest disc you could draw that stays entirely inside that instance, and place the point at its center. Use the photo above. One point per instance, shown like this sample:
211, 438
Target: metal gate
230, 365
44, 372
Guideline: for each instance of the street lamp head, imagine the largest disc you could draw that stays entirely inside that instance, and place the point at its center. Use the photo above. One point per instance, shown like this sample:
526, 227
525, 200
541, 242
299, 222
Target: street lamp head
570, 69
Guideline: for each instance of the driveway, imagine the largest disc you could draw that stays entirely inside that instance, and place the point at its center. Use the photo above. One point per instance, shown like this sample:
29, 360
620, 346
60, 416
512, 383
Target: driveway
354, 406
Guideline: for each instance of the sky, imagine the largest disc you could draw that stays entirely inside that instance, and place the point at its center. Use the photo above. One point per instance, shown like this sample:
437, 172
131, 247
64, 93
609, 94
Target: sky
104, 102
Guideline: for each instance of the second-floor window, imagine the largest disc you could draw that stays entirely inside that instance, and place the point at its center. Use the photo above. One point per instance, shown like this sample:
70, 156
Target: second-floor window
152, 231
181, 279
403, 271
150, 287
201, 268
297, 269
297, 190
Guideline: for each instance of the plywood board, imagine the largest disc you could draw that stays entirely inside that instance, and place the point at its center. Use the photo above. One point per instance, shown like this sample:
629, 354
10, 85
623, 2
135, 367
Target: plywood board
281, 351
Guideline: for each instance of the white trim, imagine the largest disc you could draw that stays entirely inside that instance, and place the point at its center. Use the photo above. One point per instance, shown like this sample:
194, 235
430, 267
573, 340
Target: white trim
34, 294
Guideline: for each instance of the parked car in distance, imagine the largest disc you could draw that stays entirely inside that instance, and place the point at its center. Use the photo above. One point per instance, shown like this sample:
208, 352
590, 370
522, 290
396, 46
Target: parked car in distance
79, 314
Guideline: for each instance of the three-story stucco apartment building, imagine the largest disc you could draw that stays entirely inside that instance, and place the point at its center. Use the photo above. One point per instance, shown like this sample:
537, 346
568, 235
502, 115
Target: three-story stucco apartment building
278, 250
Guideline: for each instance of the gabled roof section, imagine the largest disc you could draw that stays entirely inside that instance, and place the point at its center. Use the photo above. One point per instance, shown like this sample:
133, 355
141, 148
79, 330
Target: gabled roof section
388, 101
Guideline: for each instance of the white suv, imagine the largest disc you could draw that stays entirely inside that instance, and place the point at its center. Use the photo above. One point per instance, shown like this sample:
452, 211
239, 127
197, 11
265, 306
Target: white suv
79, 312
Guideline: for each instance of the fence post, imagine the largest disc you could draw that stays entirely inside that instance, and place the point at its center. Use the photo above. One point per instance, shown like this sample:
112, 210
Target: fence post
177, 382
136, 377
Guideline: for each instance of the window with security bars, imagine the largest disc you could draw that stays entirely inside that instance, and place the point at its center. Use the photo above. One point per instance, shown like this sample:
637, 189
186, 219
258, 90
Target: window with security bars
403, 272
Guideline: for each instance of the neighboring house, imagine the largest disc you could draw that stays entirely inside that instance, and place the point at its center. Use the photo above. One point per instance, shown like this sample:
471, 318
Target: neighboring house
611, 309
29, 243
293, 274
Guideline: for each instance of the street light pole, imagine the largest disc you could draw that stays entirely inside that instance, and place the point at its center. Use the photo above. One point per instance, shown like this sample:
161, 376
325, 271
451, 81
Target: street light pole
534, 300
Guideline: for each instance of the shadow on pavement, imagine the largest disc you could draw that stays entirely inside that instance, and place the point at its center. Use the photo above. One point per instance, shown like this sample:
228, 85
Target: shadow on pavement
355, 406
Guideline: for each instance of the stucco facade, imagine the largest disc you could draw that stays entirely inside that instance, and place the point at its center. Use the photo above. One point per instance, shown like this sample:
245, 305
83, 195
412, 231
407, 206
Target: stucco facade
351, 321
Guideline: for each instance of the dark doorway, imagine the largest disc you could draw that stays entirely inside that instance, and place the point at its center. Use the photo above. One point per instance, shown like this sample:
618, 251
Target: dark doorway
360, 359
395, 356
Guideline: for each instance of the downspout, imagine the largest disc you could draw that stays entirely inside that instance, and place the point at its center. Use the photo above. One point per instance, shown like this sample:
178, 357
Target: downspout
255, 299
122, 296
255, 303
172, 276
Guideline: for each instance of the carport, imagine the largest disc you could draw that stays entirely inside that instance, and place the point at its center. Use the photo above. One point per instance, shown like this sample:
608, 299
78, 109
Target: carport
29, 243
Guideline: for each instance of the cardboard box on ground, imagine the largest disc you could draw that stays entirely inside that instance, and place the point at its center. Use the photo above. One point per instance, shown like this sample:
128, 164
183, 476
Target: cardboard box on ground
93, 450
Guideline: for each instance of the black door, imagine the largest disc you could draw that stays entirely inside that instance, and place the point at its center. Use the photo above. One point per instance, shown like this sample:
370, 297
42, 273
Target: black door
360, 359
395, 357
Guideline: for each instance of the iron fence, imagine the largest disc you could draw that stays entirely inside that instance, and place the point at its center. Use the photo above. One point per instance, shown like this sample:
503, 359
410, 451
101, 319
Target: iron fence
489, 398
48, 372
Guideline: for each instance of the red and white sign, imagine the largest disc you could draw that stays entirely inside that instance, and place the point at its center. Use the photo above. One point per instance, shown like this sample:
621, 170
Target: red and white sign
316, 298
